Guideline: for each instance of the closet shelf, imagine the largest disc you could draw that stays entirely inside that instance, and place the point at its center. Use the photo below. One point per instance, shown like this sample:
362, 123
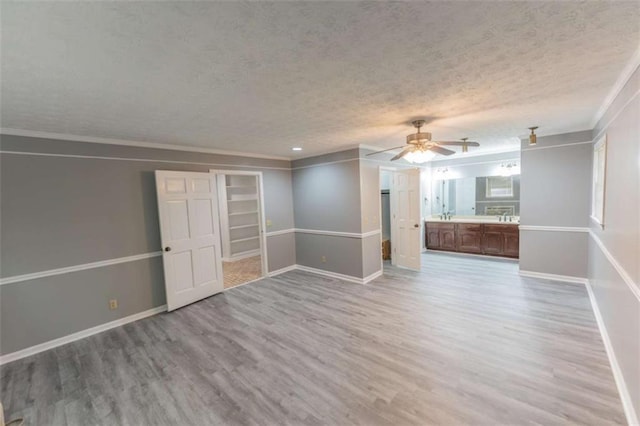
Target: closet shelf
242, 213
245, 239
231, 228
246, 199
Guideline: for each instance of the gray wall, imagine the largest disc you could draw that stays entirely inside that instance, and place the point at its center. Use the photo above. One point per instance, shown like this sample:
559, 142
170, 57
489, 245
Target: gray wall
618, 299
327, 197
338, 192
555, 191
343, 254
69, 208
551, 252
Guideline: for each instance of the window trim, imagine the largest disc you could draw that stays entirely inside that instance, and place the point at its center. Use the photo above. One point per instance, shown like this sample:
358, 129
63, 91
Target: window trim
599, 148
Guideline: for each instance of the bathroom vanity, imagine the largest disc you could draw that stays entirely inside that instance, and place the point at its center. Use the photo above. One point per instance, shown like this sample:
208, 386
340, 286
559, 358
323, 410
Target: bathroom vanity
473, 236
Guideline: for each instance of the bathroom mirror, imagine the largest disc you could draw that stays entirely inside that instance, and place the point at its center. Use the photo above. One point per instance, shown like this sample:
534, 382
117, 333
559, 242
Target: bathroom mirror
476, 196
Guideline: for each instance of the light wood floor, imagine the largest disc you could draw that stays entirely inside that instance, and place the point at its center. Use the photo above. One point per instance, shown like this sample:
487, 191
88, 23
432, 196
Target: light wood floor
464, 342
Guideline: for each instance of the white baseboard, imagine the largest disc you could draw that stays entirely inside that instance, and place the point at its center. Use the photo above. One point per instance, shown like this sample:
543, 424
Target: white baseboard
349, 278
282, 270
553, 277
627, 403
372, 276
13, 356
330, 274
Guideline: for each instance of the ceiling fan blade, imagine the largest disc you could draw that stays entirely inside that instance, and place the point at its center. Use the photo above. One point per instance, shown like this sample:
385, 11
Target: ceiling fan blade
457, 143
442, 151
385, 150
403, 153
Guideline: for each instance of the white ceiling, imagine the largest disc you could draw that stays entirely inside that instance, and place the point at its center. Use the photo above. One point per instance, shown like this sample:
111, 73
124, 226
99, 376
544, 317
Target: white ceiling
263, 77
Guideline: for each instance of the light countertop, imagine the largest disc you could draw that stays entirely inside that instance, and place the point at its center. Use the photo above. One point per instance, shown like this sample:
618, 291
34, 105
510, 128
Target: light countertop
479, 219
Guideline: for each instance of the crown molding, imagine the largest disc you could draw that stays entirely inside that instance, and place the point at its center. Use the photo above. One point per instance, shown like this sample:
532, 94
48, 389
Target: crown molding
333, 151
139, 144
622, 80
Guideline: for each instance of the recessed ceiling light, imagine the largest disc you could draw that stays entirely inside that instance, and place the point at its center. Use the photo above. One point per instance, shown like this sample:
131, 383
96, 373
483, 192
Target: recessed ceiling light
296, 148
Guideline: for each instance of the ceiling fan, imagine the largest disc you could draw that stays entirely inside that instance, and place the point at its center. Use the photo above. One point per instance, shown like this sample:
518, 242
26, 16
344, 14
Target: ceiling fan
422, 149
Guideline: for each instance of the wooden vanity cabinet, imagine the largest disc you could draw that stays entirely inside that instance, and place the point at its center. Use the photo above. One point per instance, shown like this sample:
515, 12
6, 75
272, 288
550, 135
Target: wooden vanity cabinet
442, 236
476, 238
469, 238
493, 239
512, 242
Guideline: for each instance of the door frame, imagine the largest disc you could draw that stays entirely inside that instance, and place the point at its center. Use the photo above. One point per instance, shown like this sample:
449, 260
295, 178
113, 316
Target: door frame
261, 219
391, 219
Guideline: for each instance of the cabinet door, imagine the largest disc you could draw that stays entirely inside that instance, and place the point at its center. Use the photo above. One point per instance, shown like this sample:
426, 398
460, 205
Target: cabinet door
512, 244
448, 238
433, 238
493, 242
469, 238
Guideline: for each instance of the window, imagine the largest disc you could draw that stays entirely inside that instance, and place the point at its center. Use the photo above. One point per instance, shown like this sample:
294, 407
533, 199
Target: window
499, 186
598, 183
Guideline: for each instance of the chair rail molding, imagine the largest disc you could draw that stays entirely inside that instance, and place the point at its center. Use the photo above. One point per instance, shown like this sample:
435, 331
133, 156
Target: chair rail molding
554, 228
75, 268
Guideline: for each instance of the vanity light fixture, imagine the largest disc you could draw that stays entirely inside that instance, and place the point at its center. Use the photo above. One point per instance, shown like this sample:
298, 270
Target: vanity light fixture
509, 169
533, 139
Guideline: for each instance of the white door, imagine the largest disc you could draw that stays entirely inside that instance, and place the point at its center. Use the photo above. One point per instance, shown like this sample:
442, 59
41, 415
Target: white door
405, 199
189, 231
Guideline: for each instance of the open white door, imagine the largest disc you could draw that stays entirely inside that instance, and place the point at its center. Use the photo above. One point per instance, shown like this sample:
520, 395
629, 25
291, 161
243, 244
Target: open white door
405, 204
189, 231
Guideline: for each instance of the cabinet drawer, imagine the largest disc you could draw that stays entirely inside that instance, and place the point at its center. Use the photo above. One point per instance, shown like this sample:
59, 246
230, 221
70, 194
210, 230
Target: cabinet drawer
467, 227
501, 228
441, 226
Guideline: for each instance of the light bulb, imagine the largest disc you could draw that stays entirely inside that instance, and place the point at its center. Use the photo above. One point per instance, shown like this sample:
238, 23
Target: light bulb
419, 156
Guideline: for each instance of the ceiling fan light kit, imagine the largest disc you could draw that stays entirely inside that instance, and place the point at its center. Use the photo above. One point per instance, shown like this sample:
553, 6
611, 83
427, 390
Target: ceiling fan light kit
533, 139
421, 148
419, 156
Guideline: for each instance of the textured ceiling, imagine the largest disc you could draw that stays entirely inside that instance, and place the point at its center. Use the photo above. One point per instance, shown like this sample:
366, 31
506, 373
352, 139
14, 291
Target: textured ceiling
263, 77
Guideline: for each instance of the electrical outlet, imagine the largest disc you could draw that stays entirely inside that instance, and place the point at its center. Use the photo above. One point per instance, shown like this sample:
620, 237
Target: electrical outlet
113, 304
324, 259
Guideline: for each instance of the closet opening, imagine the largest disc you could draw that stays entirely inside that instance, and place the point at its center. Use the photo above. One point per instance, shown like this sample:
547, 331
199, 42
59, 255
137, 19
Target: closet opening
241, 208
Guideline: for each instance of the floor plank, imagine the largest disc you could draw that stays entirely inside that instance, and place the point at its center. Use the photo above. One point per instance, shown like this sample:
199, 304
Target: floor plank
464, 341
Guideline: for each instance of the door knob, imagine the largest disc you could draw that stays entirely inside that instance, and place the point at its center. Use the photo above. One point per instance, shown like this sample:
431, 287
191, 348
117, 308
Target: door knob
167, 248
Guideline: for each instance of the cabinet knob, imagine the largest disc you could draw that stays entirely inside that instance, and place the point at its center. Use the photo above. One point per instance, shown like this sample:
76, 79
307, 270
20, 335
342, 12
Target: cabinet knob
167, 248
416, 226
